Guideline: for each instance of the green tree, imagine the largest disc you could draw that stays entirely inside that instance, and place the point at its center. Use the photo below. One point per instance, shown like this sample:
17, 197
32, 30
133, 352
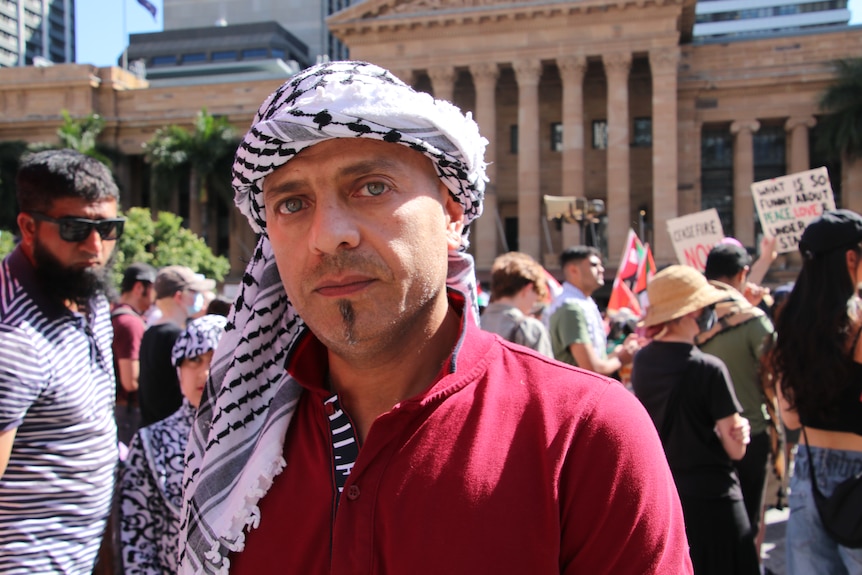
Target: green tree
202, 155
10, 158
165, 242
839, 133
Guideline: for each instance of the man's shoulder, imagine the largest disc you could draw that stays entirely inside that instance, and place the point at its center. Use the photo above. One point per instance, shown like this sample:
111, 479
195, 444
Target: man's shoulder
570, 307
124, 318
527, 367
166, 330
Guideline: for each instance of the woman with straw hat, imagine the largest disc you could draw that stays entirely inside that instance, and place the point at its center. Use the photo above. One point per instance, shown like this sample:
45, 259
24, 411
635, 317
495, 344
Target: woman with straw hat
691, 400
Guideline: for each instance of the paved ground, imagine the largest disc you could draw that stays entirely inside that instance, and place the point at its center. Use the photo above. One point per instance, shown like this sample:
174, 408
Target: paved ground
772, 550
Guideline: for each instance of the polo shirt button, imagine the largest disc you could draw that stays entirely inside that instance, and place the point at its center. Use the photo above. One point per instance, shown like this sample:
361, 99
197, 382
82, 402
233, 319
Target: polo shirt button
329, 408
353, 492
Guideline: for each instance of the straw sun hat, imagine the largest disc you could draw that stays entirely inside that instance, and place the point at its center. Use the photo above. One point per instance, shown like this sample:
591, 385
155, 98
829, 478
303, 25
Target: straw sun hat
676, 291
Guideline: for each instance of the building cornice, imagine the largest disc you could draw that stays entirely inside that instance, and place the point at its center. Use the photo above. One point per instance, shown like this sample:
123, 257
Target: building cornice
376, 16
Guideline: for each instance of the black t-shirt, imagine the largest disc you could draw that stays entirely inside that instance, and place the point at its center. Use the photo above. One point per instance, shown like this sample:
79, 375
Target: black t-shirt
159, 392
700, 466
847, 415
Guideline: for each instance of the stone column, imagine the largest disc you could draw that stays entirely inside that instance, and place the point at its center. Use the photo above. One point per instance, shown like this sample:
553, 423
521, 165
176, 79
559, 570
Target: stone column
743, 177
572, 69
665, 196
528, 74
484, 235
617, 68
443, 82
798, 158
406, 75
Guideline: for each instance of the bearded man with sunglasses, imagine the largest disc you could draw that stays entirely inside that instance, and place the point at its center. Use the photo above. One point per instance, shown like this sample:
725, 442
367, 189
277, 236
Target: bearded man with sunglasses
58, 439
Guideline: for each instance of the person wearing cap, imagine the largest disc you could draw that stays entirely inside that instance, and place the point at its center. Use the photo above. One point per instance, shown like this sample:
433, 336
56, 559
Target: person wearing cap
136, 296
517, 284
737, 338
690, 397
179, 296
817, 361
58, 437
357, 419
150, 483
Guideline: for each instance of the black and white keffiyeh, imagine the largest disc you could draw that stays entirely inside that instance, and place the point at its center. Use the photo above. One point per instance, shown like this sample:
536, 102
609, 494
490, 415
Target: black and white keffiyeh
235, 448
200, 336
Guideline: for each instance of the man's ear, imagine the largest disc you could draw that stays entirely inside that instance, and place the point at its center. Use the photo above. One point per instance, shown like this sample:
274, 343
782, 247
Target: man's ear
27, 225
852, 259
454, 222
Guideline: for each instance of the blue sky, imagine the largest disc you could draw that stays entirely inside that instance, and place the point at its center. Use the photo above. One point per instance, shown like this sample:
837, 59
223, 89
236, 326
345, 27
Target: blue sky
102, 32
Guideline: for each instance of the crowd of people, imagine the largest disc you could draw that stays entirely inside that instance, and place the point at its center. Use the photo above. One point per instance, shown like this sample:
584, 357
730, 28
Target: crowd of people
353, 409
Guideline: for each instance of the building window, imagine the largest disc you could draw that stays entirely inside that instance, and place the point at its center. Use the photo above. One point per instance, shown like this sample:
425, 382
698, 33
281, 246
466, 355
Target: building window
716, 174
642, 133
163, 61
600, 134
224, 55
769, 152
254, 53
557, 136
513, 139
196, 57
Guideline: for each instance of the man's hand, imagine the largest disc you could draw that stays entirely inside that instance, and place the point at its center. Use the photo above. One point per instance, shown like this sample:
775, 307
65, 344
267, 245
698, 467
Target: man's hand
626, 351
755, 293
741, 431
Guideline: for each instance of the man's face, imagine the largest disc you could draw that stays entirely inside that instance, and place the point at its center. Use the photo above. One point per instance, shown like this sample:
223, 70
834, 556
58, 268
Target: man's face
360, 230
590, 274
70, 270
145, 295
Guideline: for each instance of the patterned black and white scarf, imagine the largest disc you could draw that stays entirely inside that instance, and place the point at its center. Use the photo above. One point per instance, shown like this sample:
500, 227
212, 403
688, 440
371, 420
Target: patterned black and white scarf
235, 448
200, 336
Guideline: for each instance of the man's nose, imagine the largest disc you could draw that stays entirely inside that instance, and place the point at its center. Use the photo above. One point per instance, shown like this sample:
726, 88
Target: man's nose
333, 227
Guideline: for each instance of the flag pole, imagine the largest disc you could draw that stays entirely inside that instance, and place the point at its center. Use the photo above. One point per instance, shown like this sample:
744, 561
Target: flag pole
125, 61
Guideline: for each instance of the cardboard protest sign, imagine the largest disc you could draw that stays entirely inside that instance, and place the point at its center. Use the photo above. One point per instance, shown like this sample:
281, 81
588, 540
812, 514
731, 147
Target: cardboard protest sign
694, 235
786, 205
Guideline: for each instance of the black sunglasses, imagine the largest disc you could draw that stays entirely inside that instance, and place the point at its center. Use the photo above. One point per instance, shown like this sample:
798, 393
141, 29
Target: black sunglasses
79, 229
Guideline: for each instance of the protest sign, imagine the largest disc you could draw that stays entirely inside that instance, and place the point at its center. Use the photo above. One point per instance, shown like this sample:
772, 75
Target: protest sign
694, 235
786, 205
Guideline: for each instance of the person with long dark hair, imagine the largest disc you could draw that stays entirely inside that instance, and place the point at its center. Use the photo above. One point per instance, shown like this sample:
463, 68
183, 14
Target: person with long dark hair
690, 398
818, 364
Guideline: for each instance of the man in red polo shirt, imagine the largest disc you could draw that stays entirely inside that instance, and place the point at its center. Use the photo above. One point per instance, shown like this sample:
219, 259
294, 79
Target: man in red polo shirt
357, 419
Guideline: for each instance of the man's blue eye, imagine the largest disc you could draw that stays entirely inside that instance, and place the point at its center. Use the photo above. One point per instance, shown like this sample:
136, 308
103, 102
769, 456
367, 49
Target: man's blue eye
292, 205
375, 188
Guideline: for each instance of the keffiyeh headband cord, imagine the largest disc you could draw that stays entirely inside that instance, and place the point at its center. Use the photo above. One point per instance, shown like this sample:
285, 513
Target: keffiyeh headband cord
235, 448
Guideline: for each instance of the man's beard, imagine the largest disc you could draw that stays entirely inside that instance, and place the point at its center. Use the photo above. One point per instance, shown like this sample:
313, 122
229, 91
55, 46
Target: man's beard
61, 283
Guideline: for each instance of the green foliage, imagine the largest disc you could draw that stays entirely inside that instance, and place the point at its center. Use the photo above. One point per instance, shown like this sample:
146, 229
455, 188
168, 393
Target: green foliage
10, 159
165, 242
840, 132
81, 135
7, 243
177, 154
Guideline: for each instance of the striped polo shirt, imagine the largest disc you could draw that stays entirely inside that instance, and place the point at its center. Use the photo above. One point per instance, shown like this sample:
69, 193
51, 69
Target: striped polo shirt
57, 389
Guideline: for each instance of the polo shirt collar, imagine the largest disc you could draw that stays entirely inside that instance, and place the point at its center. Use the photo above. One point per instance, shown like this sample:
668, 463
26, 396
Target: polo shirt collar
24, 271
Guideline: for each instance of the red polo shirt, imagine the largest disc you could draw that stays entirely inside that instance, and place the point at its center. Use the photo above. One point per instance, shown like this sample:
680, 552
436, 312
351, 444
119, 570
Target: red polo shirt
509, 463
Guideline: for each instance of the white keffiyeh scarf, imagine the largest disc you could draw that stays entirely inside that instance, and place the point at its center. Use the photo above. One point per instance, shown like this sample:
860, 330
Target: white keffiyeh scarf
235, 448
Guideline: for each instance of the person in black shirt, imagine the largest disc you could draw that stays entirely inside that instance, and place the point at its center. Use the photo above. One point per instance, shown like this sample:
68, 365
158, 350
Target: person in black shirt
690, 398
179, 296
